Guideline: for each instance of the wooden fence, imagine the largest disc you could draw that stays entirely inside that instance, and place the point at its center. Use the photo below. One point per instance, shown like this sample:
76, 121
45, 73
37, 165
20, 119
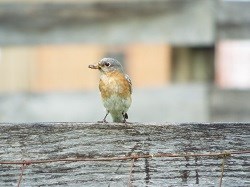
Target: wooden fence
93, 154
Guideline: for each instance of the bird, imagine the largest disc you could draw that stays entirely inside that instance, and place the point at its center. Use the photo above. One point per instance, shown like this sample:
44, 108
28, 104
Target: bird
115, 87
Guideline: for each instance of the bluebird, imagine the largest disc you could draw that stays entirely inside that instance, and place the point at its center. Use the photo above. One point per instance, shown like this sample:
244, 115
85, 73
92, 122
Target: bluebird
115, 87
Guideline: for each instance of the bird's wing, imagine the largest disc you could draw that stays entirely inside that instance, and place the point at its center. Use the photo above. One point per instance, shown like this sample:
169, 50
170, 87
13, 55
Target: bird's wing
130, 82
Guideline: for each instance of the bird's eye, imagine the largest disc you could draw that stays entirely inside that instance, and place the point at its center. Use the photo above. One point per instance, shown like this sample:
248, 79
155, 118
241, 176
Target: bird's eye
107, 64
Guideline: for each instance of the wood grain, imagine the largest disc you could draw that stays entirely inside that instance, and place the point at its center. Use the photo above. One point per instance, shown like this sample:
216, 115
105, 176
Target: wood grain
40, 141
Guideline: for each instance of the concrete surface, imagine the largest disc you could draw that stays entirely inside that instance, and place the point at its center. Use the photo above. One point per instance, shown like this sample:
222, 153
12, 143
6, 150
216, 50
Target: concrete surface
229, 105
175, 103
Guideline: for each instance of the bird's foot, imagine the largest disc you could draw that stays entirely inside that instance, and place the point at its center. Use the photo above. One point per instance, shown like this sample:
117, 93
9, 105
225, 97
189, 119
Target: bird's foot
103, 121
126, 122
125, 116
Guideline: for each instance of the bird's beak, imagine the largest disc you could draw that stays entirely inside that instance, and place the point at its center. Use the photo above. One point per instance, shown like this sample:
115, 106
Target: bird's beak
95, 66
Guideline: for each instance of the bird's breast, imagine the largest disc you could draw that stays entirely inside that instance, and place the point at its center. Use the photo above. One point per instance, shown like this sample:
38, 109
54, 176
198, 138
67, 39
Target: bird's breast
114, 83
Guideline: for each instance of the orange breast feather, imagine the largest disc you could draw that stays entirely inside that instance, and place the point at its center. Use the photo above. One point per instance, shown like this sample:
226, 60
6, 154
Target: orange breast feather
114, 83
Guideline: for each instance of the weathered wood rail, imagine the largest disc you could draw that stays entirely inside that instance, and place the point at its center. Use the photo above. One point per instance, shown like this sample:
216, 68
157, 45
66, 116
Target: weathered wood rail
42, 141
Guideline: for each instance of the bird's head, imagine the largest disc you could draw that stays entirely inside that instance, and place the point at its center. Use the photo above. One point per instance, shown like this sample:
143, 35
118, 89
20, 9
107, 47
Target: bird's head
107, 65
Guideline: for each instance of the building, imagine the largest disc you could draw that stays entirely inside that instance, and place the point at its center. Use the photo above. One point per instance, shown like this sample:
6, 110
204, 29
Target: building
46, 46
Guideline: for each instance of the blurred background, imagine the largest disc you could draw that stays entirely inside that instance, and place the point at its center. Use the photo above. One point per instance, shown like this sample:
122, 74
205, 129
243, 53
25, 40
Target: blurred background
189, 61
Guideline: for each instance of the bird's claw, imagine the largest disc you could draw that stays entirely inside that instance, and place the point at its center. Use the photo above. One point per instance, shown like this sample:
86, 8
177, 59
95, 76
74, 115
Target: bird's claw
103, 121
